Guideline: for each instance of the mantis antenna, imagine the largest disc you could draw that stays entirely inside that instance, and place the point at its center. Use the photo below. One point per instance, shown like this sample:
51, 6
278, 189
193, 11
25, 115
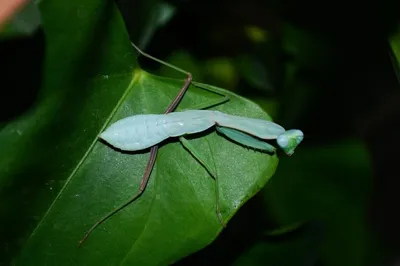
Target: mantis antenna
153, 151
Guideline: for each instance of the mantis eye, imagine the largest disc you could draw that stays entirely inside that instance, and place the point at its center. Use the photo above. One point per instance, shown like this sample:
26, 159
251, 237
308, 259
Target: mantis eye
289, 140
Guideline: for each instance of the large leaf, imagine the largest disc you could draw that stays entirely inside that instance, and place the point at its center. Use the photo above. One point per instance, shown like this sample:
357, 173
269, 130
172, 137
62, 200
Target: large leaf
57, 178
329, 184
298, 248
394, 42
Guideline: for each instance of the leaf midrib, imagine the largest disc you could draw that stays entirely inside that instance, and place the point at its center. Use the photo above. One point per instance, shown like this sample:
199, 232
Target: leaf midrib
135, 78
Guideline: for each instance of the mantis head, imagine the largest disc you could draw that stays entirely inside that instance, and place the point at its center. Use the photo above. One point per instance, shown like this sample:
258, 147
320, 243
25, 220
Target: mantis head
289, 140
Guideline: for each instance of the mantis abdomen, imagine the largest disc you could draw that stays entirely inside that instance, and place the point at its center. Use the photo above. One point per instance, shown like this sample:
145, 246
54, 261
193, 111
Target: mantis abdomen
143, 131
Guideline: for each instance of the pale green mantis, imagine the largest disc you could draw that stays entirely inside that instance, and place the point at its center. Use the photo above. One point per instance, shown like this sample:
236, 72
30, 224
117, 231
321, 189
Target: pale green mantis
148, 130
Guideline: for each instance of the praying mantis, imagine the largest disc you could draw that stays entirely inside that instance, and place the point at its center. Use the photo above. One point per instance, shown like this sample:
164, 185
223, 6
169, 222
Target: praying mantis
144, 131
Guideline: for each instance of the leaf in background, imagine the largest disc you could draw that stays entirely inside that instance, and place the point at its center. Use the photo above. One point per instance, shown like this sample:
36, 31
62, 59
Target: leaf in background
310, 51
162, 13
254, 72
221, 70
150, 15
297, 248
328, 184
184, 60
309, 57
256, 34
57, 179
394, 41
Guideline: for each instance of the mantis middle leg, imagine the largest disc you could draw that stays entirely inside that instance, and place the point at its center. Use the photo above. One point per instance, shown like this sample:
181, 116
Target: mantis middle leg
192, 150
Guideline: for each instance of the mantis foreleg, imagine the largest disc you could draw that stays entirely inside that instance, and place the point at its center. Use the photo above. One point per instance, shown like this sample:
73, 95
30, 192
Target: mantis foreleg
246, 139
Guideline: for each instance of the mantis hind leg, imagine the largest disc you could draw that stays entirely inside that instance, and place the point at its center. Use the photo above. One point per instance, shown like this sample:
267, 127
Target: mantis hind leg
196, 155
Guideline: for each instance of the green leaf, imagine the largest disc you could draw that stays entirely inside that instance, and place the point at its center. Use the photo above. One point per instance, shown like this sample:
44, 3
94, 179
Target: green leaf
310, 52
254, 72
184, 60
298, 248
394, 41
329, 184
144, 18
175, 216
57, 178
